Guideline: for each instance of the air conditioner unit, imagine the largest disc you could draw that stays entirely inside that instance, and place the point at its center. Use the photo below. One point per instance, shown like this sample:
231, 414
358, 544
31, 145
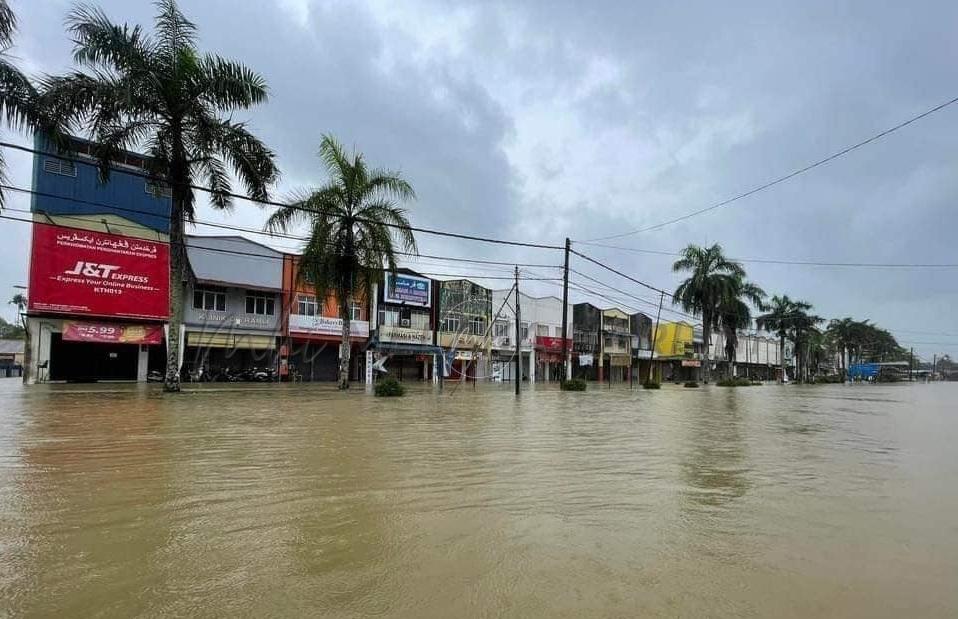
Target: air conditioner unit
404, 322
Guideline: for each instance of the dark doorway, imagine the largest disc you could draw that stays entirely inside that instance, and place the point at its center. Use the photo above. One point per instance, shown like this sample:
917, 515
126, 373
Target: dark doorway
89, 362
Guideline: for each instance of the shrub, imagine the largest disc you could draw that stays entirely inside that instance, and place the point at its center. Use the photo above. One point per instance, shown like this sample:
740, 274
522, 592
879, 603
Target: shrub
651, 384
734, 382
575, 384
691, 384
389, 388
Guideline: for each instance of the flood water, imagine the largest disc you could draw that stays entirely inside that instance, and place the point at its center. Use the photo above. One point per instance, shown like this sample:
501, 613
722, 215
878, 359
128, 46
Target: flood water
291, 500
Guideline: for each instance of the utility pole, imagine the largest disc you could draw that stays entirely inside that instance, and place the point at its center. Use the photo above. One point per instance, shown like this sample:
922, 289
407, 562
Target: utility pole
566, 362
655, 334
911, 365
934, 366
518, 336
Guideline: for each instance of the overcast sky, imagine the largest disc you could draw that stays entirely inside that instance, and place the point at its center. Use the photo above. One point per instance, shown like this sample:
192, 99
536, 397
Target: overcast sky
541, 120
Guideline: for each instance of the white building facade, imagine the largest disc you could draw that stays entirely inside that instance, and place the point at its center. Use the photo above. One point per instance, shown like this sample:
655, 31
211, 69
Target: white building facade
540, 337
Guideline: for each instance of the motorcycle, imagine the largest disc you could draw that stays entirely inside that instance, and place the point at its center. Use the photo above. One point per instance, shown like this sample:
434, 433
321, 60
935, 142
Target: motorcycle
261, 375
227, 375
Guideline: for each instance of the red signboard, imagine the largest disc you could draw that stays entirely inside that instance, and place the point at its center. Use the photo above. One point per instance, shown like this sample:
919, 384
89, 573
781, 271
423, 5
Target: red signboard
84, 272
553, 344
112, 333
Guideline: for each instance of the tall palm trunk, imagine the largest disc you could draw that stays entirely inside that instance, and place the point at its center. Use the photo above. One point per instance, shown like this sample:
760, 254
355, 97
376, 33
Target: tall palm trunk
781, 356
344, 346
707, 336
177, 275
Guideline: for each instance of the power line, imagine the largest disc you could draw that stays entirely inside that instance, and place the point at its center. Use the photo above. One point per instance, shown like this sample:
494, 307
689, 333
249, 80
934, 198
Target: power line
145, 175
871, 265
621, 274
646, 301
234, 252
230, 227
786, 177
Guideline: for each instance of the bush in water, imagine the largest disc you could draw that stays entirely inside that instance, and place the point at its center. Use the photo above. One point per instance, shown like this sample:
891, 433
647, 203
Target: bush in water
575, 384
389, 388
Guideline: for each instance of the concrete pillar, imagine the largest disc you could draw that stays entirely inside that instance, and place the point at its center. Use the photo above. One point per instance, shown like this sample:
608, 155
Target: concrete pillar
425, 369
142, 362
532, 365
369, 367
436, 368
179, 362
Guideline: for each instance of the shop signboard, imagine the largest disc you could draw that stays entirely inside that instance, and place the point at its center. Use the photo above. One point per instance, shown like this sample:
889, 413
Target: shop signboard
691, 363
407, 289
402, 334
551, 344
324, 325
107, 333
76, 271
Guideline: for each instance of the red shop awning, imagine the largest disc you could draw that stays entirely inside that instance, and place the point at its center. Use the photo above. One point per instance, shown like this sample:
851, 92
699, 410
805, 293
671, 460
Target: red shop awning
112, 333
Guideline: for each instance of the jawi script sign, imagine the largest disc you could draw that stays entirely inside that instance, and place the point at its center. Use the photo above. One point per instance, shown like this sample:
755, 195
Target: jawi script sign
84, 272
408, 289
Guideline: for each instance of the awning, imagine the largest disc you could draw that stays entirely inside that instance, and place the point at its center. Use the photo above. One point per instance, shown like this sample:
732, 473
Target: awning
228, 340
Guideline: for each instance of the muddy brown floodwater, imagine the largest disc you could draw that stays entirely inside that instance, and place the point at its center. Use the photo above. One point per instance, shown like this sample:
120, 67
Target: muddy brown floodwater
280, 500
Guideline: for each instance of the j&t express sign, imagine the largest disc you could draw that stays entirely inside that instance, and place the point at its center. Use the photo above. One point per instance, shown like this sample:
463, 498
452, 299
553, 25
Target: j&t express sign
85, 272
408, 289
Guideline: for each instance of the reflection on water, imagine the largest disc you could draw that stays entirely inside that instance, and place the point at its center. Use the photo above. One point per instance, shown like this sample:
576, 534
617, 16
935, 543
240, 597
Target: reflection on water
280, 500
714, 462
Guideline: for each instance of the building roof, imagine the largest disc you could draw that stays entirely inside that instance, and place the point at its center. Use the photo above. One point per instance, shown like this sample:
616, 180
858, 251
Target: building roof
235, 261
11, 347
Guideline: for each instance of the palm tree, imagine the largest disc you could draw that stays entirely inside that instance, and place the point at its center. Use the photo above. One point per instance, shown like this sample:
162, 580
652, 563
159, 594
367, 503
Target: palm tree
158, 93
19, 103
735, 314
712, 281
803, 333
20, 300
355, 226
840, 332
780, 318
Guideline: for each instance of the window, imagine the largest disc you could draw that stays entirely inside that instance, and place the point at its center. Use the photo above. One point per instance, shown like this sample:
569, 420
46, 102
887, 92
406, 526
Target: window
210, 300
60, 166
389, 317
306, 305
355, 311
261, 304
542, 330
608, 341
524, 331
450, 324
419, 320
477, 325
500, 328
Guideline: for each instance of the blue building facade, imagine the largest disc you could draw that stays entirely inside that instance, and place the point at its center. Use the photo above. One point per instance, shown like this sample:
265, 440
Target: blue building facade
70, 189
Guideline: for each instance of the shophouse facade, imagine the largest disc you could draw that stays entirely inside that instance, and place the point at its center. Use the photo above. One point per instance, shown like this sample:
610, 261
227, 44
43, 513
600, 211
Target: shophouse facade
757, 355
313, 330
540, 341
232, 305
464, 319
402, 343
616, 345
676, 358
98, 294
642, 326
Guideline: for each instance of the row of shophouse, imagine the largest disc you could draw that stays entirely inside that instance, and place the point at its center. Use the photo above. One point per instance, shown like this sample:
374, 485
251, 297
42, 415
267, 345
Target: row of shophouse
99, 291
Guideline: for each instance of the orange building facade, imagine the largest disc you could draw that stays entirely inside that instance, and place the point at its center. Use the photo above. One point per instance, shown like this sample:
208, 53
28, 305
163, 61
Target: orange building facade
313, 330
